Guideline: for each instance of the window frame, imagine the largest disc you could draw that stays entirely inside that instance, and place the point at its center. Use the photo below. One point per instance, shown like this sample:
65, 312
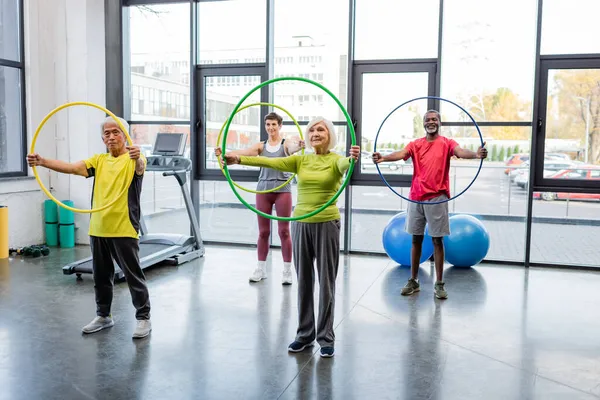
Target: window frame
218, 70
19, 65
353, 65
428, 66
540, 183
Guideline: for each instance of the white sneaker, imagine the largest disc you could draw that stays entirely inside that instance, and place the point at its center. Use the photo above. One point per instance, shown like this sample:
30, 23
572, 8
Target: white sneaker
98, 324
286, 279
143, 328
259, 273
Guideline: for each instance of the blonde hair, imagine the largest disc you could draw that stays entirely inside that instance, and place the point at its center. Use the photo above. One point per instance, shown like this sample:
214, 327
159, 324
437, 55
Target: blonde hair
330, 129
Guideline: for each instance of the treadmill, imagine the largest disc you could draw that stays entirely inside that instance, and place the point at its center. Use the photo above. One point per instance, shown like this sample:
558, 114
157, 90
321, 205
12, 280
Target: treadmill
161, 248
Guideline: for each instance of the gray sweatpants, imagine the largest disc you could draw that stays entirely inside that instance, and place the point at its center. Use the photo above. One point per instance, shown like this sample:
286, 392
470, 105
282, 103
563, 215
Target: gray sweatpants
433, 215
320, 241
125, 252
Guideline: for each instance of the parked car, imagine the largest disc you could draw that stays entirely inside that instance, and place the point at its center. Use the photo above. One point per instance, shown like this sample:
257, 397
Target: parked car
561, 156
514, 160
550, 167
578, 172
519, 161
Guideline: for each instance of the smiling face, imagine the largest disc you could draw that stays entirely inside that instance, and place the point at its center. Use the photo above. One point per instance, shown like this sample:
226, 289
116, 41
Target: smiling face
113, 138
318, 137
272, 127
431, 123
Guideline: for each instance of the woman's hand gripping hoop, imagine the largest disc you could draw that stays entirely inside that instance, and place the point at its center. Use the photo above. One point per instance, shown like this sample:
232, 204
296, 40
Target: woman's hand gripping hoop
299, 131
130, 166
348, 173
428, 202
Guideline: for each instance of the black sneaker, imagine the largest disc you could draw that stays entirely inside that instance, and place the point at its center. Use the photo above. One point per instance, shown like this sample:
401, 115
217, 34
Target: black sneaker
327, 351
297, 347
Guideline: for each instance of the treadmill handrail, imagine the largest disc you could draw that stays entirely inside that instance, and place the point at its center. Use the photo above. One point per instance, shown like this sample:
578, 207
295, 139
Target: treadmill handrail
171, 173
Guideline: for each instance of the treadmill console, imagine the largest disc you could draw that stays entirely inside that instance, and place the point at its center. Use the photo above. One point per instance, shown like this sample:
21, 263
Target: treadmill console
169, 144
166, 163
167, 154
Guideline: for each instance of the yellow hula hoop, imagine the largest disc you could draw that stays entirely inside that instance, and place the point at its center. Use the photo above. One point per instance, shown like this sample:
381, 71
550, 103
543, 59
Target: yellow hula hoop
301, 137
131, 166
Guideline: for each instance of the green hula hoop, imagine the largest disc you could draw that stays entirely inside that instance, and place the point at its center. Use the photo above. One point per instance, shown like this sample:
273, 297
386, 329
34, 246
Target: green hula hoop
301, 137
348, 173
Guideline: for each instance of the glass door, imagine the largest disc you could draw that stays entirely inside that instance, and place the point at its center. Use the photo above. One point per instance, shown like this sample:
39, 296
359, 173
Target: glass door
220, 90
222, 217
566, 192
569, 126
380, 88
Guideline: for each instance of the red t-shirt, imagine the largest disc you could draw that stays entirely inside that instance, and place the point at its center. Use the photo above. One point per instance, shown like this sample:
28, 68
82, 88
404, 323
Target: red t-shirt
431, 166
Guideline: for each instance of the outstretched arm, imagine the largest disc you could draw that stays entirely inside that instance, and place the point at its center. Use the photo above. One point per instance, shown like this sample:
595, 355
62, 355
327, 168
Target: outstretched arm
285, 164
468, 154
75, 168
294, 145
395, 156
343, 163
250, 151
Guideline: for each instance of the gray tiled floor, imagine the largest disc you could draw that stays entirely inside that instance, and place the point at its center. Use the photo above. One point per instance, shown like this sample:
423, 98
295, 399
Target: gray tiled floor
504, 333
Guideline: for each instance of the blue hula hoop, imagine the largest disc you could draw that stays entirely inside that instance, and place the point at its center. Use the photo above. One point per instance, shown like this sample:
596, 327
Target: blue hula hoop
428, 202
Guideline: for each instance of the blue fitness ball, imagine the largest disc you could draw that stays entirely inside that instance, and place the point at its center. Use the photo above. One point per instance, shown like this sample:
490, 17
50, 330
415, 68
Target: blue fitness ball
397, 243
468, 242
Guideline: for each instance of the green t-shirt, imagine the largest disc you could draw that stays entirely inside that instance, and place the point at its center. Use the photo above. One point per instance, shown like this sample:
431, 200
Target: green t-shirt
319, 178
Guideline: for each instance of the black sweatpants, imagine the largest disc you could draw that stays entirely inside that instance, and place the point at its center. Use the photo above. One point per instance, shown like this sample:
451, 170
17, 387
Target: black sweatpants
125, 251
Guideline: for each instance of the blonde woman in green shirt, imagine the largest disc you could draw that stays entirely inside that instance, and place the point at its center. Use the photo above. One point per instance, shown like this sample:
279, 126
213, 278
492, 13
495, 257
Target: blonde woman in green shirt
319, 176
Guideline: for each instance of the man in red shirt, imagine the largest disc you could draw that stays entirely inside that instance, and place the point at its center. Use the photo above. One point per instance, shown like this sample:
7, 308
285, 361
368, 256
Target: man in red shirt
431, 183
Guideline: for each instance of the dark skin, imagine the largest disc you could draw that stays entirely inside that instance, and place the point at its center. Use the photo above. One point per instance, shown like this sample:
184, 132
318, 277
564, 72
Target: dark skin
431, 124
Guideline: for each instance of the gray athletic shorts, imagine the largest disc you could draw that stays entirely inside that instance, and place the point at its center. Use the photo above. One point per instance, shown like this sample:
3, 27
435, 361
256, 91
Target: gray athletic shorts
434, 215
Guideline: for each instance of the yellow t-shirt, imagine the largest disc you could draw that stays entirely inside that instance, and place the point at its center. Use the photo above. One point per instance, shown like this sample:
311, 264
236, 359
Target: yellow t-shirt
111, 174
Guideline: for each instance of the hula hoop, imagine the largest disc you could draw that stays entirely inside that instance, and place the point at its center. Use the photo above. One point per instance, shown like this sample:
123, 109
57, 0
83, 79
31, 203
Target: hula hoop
428, 202
301, 137
348, 173
37, 177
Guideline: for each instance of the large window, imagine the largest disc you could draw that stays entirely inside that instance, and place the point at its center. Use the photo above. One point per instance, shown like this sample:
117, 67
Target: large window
232, 32
221, 94
12, 125
10, 38
315, 51
566, 227
375, 55
488, 62
396, 29
570, 27
159, 62
572, 115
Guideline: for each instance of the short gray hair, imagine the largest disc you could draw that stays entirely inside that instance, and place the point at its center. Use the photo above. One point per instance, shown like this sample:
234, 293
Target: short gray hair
111, 119
433, 112
330, 128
